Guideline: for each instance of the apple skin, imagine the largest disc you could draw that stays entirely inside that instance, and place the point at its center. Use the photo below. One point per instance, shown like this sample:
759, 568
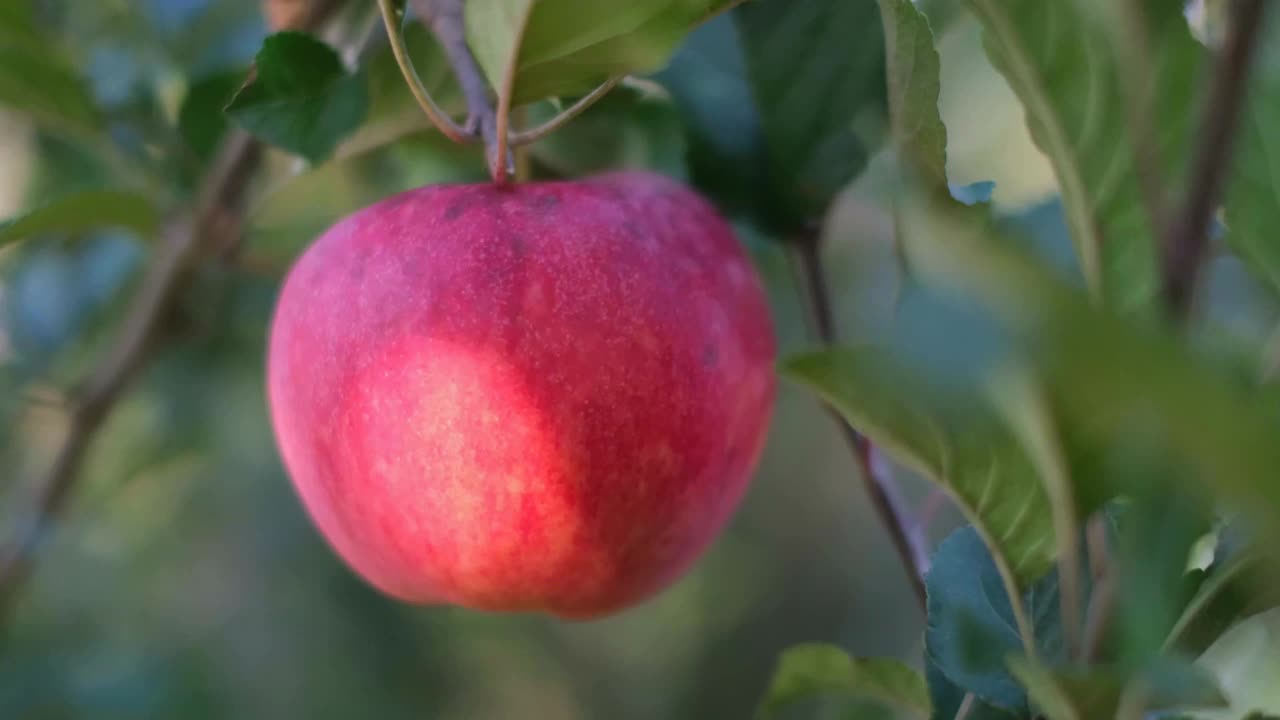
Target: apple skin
541, 397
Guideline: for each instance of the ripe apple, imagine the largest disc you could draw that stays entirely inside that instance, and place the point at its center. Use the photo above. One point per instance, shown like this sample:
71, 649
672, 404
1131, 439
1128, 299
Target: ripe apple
546, 396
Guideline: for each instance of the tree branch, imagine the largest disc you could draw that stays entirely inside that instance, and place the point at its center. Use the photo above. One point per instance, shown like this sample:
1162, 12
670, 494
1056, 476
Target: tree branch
211, 225
1186, 239
904, 527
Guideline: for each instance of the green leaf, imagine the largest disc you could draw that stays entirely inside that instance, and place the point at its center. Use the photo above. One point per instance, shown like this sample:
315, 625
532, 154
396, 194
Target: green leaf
914, 82
948, 699
302, 98
201, 119
953, 441
1253, 192
1163, 522
555, 48
811, 81
1057, 58
1234, 589
807, 671
1097, 692
625, 129
972, 628
36, 79
707, 79
1246, 661
1115, 381
772, 94
84, 210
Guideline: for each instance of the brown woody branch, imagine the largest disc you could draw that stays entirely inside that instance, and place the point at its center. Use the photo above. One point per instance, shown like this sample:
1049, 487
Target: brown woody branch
1186, 238
900, 521
211, 226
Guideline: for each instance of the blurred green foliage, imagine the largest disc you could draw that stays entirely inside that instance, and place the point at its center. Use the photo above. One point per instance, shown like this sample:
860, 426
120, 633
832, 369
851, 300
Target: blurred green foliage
977, 179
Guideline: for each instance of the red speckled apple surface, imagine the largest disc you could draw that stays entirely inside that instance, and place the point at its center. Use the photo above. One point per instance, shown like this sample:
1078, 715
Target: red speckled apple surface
546, 396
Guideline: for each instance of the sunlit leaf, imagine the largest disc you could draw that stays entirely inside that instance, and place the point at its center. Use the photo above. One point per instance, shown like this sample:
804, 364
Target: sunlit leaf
566, 47
914, 83
84, 210
953, 441
1057, 58
808, 671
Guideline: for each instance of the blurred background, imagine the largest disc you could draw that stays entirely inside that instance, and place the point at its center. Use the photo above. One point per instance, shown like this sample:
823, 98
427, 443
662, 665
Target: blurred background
185, 579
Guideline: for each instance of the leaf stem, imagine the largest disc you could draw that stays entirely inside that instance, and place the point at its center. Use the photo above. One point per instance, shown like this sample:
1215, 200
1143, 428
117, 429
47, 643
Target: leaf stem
532, 135
435, 113
904, 528
1186, 238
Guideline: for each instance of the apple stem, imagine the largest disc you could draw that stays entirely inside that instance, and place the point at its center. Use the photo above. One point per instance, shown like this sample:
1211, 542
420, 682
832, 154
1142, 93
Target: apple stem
484, 122
905, 529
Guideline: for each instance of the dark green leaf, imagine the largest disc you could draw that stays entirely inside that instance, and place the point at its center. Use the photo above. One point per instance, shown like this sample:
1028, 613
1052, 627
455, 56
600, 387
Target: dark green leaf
202, 118
1153, 586
772, 94
1234, 588
954, 441
807, 671
811, 81
1057, 58
972, 627
566, 47
707, 79
948, 699
84, 210
37, 80
302, 99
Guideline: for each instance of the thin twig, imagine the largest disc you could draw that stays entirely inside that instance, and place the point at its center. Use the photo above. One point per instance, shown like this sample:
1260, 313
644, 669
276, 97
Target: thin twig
532, 135
1186, 239
1098, 616
904, 528
212, 225
434, 112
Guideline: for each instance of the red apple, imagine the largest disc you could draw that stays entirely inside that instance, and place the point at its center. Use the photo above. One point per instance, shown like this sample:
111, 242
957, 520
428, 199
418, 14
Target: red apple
542, 397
